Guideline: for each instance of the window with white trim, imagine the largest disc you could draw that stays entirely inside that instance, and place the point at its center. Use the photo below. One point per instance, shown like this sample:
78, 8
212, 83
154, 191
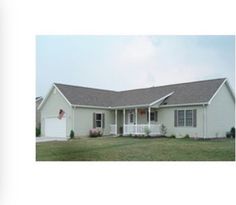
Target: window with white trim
98, 120
152, 116
180, 117
189, 118
131, 117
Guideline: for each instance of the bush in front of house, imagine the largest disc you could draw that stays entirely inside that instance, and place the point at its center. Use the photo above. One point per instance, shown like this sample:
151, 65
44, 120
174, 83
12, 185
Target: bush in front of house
228, 134
72, 134
186, 136
95, 133
147, 131
163, 130
38, 132
231, 133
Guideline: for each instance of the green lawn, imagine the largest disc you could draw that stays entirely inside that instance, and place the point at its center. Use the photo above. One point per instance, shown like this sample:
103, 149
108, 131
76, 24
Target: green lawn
132, 149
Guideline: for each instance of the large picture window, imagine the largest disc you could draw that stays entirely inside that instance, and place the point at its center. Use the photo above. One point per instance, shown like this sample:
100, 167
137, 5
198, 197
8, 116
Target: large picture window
186, 118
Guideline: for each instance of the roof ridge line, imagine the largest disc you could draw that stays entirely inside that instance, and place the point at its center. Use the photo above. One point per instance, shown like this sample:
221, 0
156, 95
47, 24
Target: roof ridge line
173, 84
114, 91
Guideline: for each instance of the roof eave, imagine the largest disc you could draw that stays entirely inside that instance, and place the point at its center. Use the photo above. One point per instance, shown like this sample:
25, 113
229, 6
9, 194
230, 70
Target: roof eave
90, 106
185, 104
161, 99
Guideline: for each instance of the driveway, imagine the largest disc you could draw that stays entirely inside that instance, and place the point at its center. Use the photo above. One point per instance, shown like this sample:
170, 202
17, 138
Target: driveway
48, 139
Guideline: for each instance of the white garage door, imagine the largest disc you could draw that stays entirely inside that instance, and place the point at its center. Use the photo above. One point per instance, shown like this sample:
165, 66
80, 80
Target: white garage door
55, 127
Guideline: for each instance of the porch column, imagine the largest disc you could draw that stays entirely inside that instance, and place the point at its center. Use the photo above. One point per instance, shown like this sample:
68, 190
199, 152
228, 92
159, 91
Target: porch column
149, 117
116, 122
123, 121
136, 120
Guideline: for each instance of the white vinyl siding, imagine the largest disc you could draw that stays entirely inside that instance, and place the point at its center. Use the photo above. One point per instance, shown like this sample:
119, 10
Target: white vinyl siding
166, 116
220, 114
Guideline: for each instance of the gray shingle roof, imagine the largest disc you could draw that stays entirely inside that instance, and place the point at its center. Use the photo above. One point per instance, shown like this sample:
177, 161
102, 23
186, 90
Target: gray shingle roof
184, 93
86, 96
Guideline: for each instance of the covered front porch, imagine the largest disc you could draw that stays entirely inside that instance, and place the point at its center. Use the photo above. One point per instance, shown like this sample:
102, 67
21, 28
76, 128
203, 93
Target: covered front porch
135, 121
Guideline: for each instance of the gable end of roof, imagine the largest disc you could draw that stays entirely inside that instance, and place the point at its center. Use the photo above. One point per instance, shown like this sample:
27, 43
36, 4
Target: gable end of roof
225, 82
49, 93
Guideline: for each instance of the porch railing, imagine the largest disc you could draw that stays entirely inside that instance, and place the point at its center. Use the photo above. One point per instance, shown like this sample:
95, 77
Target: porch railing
137, 129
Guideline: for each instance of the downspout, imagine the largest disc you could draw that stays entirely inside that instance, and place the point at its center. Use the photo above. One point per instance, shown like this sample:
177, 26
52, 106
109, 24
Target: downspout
204, 121
149, 117
73, 118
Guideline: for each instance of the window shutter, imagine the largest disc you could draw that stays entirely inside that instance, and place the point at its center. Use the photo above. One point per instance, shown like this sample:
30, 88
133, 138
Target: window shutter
94, 120
195, 118
175, 118
147, 115
103, 120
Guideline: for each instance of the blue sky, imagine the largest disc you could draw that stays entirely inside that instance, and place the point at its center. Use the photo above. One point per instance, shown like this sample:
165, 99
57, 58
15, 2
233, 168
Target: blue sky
128, 62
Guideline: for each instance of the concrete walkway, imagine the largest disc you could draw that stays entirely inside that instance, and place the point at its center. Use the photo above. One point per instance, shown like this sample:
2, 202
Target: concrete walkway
48, 139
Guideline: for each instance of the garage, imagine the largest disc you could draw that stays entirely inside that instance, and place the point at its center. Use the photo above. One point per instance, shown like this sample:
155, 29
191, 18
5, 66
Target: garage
55, 127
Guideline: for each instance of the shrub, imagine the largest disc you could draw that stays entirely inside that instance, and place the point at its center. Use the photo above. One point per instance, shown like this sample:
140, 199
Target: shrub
228, 134
147, 131
38, 132
186, 136
72, 134
163, 130
95, 133
172, 136
233, 132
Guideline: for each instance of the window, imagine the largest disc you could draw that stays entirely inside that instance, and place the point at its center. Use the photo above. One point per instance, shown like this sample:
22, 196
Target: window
98, 120
186, 118
130, 117
180, 117
152, 116
189, 118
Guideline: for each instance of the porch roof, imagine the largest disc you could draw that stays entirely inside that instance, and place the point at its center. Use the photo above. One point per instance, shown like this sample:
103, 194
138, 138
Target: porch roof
184, 93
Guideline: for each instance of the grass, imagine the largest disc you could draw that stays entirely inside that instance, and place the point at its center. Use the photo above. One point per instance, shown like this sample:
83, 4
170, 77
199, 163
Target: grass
133, 149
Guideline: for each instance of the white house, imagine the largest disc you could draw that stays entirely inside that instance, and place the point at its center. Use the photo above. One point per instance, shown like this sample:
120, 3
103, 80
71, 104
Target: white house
203, 109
